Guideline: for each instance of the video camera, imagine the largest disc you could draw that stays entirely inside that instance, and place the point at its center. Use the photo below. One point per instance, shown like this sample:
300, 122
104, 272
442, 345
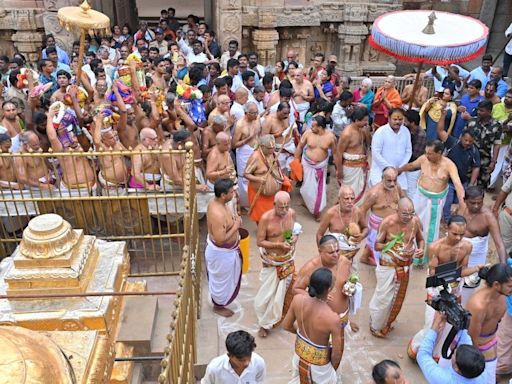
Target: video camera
446, 301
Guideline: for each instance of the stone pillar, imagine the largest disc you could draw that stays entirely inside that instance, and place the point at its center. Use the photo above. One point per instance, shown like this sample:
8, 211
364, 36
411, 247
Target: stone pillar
265, 38
29, 44
228, 16
63, 38
351, 34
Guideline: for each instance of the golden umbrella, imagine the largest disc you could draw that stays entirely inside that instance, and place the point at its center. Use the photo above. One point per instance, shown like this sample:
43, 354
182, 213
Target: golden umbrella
86, 20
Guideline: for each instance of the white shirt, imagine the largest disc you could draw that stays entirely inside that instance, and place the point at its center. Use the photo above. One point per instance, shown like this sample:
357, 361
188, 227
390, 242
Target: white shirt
508, 48
390, 149
199, 58
219, 371
237, 110
479, 74
237, 83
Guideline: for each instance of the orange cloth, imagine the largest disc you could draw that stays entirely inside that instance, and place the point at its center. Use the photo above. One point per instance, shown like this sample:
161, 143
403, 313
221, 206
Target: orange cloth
296, 173
381, 110
264, 203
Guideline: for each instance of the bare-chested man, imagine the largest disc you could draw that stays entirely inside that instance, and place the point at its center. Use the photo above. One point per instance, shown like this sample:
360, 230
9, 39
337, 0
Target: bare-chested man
222, 254
448, 249
223, 108
158, 75
276, 239
419, 98
487, 307
174, 163
245, 140
313, 152
436, 171
353, 155
303, 93
11, 120
146, 166
481, 224
219, 124
63, 78
219, 164
113, 175
329, 257
277, 125
317, 328
382, 201
399, 241
346, 222
265, 178
8, 178
33, 171
77, 173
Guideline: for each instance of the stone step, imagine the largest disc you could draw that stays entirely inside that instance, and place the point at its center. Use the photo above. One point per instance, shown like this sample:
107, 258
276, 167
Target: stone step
206, 330
138, 375
162, 325
138, 323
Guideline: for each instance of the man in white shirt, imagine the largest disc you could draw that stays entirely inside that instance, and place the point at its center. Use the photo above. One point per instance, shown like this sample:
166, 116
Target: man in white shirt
507, 55
241, 97
231, 53
196, 55
239, 365
391, 146
483, 72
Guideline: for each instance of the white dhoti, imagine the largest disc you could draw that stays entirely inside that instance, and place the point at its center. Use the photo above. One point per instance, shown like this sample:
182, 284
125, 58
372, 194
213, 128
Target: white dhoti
373, 230
478, 256
286, 156
108, 188
302, 108
224, 269
79, 190
429, 208
412, 183
355, 172
313, 189
500, 163
242, 155
276, 277
311, 363
200, 179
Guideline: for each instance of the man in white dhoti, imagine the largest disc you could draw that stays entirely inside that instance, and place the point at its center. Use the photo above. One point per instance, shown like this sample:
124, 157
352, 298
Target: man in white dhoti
313, 150
245, 140
303, 94
399, 241
352, 167
481, 224
391, 146
315, 359
436, 171
276, 239
222, 254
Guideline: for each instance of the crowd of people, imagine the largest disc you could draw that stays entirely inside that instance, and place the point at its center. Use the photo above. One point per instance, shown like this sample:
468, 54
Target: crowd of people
407, 165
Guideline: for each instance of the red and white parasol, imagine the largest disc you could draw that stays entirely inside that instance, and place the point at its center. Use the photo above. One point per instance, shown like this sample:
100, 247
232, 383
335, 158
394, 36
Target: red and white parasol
427, 37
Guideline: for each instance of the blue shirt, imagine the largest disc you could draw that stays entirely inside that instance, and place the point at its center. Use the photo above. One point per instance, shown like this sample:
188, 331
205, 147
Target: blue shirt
502, 88
434, 374
465, 159
479, 74
471, 108
62, 55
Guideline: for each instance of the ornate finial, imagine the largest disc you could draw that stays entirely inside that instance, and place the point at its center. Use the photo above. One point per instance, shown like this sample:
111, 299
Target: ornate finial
429, 28
189, 145
85, 6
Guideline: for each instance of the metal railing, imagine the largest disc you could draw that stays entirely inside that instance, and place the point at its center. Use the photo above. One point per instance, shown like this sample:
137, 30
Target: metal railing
400, 83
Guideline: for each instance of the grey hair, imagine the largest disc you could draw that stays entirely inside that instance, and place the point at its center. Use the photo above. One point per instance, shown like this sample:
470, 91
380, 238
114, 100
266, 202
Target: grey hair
248, 105
367, 81
25, 137
258, 88
219, 120
267, 140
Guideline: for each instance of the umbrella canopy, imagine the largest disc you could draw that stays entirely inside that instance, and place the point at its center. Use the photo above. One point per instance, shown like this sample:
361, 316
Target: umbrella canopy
83, 18
439, 38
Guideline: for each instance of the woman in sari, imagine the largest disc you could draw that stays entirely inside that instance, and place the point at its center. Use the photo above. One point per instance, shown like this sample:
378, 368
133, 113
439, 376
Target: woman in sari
386, 98
431, 111
364, 95
323, 87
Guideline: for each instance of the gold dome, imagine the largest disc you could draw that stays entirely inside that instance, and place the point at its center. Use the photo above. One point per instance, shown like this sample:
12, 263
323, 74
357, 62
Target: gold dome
29, 357
47, 236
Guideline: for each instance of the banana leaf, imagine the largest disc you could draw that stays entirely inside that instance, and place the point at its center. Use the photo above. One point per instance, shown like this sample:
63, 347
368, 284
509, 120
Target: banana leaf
394, 239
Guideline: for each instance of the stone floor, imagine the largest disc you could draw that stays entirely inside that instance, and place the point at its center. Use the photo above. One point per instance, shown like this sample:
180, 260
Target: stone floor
362, 350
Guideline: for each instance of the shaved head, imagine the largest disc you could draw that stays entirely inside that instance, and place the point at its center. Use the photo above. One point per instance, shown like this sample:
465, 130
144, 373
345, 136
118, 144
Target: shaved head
282, 197
222, 137
240, 92
345, 189
223, 98
405, 203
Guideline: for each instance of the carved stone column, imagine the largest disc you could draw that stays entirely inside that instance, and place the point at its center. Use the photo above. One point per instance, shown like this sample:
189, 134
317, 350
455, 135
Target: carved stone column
351, 34
29, 44
64, 39
265, 38
229, 21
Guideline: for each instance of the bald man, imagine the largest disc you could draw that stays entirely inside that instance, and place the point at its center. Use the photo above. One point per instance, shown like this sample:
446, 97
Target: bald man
245, 140
146, 167
241, 98
400, 239
303, 93
219, 164
276, 239
222, 108
346, 222
33, 171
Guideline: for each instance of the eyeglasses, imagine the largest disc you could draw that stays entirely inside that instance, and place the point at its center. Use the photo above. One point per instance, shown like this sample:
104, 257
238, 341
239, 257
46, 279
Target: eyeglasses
252, 113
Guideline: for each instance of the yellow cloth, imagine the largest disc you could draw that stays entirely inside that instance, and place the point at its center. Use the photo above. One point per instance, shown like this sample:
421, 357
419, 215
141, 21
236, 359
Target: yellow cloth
435, 114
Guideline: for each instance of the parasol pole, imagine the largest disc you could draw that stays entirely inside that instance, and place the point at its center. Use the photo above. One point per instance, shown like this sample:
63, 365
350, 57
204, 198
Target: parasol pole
80, 57
416, 84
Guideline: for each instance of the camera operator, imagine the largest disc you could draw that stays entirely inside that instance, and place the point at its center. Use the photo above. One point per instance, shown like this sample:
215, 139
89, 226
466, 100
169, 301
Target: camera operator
448, 249
487, 307
467, 362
